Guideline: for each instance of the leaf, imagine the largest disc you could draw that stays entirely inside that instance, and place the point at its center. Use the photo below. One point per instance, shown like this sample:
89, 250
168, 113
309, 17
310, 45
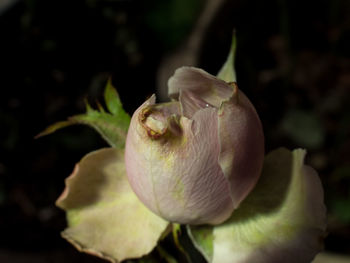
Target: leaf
202, 237
105, 218
112, 125
112, 100
227, 72
282, 220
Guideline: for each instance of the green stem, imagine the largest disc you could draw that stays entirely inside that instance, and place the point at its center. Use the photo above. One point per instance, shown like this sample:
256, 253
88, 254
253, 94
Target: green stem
176, 232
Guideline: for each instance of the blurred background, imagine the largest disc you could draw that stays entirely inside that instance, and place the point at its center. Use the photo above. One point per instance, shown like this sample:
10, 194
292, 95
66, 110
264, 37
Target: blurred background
293, 62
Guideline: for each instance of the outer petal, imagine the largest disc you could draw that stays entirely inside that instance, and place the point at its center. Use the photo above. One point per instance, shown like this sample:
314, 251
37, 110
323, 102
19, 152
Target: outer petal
282, 220
241, 136
105, 218
178, 177
200, 83
241, 141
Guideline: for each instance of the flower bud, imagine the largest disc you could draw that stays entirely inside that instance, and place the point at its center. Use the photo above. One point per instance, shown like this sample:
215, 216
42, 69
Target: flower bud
194, 159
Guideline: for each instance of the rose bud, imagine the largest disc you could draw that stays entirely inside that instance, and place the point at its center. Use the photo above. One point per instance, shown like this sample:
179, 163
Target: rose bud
194, 159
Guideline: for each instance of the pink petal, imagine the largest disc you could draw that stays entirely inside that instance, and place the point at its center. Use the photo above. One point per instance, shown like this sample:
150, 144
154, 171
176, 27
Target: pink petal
179, 177
205, 86
241, 145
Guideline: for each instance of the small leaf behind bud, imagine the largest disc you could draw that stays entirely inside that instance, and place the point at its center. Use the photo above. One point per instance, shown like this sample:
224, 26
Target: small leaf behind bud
112, 125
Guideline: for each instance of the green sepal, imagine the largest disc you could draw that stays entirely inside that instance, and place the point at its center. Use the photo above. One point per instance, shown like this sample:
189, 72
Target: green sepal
202, 237
227, 72
176, 236
112, 125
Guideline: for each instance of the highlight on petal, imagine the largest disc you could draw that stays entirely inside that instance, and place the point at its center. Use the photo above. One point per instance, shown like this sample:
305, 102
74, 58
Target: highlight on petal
105, 218
282, 220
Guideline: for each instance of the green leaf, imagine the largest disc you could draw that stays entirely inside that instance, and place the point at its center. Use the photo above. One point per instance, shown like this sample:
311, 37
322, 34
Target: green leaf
227, 72
202, 237
112, 125
282, 220
112, 100
105, 217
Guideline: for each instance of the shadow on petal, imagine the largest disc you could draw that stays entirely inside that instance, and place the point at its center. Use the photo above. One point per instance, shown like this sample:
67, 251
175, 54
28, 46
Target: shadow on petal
282, 220
270, 191
84, 185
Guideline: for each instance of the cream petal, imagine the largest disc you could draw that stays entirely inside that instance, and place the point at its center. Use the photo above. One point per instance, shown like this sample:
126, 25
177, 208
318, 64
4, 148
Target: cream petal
282, 220
105, 218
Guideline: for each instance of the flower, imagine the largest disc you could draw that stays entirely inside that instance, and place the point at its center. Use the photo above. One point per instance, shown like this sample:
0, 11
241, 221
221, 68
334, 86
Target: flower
191, 160
194, 159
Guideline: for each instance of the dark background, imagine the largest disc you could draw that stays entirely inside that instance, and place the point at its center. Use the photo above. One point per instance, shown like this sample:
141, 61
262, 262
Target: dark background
293, 62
